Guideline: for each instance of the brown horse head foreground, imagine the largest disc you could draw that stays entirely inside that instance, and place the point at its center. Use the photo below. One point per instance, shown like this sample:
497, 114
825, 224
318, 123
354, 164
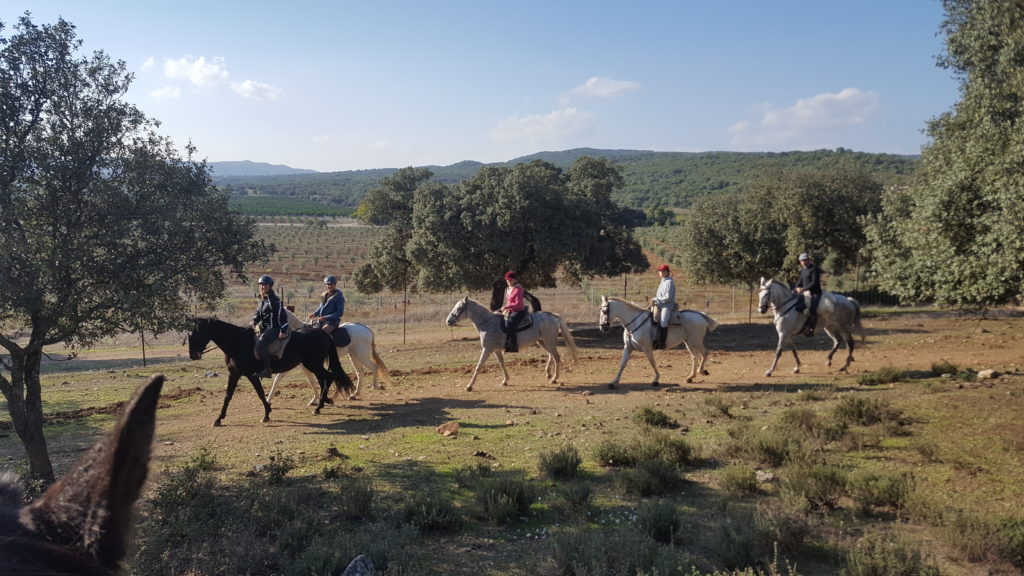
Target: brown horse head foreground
79, 525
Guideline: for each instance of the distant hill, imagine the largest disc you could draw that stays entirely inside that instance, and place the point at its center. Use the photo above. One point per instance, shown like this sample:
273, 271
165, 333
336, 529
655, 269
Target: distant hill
247, 168
667, 179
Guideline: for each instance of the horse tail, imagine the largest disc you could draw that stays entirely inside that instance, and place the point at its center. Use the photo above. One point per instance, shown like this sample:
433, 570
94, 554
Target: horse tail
341, 379
712, 323
382, 370
856, 320
570, 342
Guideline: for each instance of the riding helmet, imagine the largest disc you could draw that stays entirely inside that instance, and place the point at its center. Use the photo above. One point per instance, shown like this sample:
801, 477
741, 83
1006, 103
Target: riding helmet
265, 279
330, 279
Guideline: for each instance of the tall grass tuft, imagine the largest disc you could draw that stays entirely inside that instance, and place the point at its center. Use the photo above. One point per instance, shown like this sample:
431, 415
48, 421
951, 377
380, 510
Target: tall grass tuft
430, 512
886, 556
870, 489
659, 520
648, 416
738, 480
503, 499
560, 464
984, 539
820, 485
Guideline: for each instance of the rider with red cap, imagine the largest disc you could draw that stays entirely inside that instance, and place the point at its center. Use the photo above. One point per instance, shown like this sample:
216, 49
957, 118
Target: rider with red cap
514, 309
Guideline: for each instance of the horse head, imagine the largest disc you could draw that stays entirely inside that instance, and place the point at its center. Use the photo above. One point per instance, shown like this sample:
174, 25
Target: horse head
762, 298
198, 338
604, 321
80, 524
457, 312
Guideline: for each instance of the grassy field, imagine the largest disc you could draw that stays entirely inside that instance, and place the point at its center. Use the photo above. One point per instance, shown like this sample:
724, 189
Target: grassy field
910, 464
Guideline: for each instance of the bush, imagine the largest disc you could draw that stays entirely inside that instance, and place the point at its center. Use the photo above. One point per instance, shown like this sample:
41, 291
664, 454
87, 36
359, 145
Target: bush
719, 405
649, 478
662, 444
572, 498
562, 463
429, 511
659, 520
471, 475
655, 418
820, 485
738, 480
885, 375
983, 539
864, 411
611, 453
504, 499
886, 556
879, 489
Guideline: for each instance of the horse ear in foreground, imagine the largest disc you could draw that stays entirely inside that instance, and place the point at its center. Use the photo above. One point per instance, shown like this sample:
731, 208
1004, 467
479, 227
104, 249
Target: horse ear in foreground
79, 525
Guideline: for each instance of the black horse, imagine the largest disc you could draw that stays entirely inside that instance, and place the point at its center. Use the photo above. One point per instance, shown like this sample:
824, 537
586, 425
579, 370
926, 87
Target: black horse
309, 348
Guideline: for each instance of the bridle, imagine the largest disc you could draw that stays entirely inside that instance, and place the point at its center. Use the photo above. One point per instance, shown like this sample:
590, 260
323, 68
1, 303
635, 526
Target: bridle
781, 310
606, 314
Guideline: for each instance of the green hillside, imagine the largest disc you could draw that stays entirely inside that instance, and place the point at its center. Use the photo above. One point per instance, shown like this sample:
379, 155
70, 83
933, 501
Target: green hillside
667, 179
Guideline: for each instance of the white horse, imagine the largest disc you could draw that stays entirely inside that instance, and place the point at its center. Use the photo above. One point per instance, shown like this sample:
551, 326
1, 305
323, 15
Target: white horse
688, 327
543, 331
362, 351
838, 315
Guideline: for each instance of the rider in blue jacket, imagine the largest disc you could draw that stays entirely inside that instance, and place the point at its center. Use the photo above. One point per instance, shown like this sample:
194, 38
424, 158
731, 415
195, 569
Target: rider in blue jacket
810, 281
332, 306
272, 320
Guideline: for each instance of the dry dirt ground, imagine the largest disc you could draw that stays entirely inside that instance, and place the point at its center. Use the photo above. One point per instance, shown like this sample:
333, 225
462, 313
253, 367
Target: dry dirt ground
431, 369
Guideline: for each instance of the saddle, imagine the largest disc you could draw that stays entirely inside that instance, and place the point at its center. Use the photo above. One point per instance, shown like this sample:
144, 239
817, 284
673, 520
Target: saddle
525, 323
276, 349
341, 337
826, 305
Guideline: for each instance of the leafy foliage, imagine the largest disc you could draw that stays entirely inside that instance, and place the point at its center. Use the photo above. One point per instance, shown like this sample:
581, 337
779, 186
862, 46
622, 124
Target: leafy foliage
953, 237
533, 218
106, 227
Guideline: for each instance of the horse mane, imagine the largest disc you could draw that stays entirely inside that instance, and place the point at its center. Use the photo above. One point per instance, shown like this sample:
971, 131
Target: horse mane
624, 301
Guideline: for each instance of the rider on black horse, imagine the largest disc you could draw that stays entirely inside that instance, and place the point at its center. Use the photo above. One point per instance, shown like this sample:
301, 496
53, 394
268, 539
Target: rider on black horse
272, 321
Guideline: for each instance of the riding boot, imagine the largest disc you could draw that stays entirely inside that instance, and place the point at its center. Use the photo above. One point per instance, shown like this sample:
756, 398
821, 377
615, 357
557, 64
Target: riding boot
265, 373
659, 338
511, 345
809, 326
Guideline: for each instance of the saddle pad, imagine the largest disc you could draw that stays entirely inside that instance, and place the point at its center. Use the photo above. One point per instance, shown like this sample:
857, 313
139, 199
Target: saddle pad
341, 337
276, 349
525, 323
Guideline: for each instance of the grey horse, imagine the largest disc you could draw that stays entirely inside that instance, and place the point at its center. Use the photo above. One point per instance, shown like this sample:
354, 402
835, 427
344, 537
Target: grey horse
838, 316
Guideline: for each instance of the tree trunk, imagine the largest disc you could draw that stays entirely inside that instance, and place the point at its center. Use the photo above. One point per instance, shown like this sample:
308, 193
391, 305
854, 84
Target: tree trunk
24, 402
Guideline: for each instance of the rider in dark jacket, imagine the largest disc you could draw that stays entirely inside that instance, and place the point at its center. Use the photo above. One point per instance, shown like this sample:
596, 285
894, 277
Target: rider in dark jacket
272, 321
810, 281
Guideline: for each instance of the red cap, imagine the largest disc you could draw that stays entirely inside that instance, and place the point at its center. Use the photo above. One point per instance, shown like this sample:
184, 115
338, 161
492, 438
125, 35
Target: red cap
664, 268
510, 275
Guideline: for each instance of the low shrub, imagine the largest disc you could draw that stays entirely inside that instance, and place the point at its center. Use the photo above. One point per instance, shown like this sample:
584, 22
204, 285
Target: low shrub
870, 489
430, 512
659, 520
652, 443
982, 539
887, 556
649, 478
472, 474
719, 405
854, 409
595, 552
503, 499
783, 524
884, 375
738, 480
562, 463
611, 453
820, 485
652, 417
572, 498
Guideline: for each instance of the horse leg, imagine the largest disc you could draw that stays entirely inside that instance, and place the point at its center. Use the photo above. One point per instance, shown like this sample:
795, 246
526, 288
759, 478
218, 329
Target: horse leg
849, 346
483, 356
796, 369
273, 386
778, 353
649, 352
702, 351
501, 362
626, 352
258, 386
552, 355
835, 345
228, 394
693, 364
314, 384
359, 375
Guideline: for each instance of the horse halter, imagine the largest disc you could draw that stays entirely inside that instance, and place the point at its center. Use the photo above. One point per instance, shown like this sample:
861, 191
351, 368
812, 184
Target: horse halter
605, 322
456, 313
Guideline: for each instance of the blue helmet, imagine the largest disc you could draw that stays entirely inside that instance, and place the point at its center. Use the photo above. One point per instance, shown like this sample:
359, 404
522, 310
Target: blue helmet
265, 279
330, 279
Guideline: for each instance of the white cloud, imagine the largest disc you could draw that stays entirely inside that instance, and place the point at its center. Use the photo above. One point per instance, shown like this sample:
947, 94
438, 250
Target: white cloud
382, 145
543, 127
598, 87
198, 71
256, 90
814, 122
148, 64
166, 93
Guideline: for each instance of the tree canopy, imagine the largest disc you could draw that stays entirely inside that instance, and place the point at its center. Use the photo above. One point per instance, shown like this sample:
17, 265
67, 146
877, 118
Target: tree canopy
533, 218
737, 238
106, 227
954, 235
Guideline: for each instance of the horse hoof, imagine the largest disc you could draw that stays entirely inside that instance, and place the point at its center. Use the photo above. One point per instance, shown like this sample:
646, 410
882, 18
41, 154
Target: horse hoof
611, 386
469, 388
312, 403
655, 384
265, 420
796, 370
351, 396
768, 374
706, 373
216, 422
316, 412
689, 380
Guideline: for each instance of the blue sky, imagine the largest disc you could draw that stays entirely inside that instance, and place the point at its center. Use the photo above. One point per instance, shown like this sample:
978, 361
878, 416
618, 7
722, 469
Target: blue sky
345, 85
